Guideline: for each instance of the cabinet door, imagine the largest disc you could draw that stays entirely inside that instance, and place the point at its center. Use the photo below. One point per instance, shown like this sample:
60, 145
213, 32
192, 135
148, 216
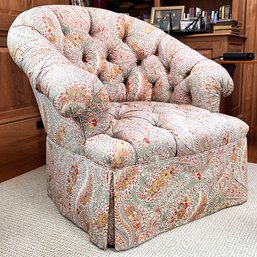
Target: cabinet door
210, 46
22, 145
9, 10
17, 100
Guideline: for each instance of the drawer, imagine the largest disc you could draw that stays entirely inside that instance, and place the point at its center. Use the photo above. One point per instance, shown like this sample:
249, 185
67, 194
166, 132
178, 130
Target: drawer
22, 147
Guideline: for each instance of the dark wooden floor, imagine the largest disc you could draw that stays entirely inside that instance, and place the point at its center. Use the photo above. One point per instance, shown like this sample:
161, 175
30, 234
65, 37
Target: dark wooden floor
252, 145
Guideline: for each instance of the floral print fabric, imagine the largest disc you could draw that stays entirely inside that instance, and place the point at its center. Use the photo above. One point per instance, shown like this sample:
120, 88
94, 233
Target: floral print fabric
151, 199
128, 206
123, 59
133, 148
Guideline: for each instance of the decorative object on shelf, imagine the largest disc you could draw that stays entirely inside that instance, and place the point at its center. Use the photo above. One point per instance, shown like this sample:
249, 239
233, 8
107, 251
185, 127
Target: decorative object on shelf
167, 18
185, 23
201, 24
93, 3
197, 24
80, 2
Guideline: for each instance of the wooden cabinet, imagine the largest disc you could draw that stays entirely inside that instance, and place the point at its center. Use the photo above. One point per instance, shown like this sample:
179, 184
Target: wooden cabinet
22, 141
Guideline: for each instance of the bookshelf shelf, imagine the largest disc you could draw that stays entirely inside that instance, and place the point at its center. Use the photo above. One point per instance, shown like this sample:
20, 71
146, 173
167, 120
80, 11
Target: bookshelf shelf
214, 35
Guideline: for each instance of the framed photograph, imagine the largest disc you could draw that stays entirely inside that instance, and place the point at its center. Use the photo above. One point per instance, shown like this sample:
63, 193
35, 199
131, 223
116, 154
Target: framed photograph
171, 15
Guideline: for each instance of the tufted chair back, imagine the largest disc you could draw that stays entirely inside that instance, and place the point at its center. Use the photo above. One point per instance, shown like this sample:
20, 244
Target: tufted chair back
118, 57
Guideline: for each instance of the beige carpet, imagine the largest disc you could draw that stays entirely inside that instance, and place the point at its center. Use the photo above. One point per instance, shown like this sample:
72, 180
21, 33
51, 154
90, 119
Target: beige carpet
30, 225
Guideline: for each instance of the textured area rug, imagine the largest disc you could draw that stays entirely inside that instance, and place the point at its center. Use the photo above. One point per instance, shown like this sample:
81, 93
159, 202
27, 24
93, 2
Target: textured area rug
30, 225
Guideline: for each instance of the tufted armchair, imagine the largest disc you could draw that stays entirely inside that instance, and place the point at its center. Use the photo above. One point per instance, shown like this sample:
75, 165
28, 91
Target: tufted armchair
135, 143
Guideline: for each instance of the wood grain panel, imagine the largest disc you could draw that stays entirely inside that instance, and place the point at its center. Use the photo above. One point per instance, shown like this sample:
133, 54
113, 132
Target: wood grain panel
3, 41
6, 20
253, 117
252, 144
253, 120
214, 44
249, 71
234, 101
48, 2
157, 3
208, 53
22, 148
239, 13
9, 10
16, 91
210, 48
14, 6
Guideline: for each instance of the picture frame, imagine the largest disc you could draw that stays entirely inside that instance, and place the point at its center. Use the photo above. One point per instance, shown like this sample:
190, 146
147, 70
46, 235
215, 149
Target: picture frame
164, 13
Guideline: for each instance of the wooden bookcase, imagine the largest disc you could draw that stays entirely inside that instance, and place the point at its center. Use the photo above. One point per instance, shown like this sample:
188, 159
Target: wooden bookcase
22, 142
238, 7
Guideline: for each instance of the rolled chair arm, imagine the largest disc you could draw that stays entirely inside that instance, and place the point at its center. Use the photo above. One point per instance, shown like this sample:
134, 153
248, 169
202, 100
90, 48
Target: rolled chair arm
71, 89
194, 79
204, 86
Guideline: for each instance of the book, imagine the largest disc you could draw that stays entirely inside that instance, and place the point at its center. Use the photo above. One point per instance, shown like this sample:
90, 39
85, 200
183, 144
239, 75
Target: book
194, 12
224, 12
227, 11
227, 31
219, 27
226, 21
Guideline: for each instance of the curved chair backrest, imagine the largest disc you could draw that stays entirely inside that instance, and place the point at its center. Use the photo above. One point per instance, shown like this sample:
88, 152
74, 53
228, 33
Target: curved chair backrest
134, 60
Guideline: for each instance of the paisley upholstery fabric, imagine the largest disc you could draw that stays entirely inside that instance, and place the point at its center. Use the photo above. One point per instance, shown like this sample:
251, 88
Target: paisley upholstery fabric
135, 143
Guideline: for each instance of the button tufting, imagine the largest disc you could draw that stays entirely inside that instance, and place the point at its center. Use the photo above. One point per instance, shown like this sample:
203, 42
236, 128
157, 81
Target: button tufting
171, 88
84, 58
139, 62
187, 73
108, 58
125, 81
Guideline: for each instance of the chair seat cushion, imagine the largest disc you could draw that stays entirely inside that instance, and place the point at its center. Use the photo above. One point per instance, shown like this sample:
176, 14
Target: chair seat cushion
144, 132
